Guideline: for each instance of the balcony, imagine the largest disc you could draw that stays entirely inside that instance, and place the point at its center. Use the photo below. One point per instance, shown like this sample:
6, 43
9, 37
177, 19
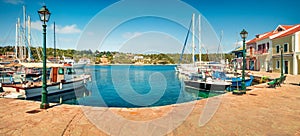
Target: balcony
261, 52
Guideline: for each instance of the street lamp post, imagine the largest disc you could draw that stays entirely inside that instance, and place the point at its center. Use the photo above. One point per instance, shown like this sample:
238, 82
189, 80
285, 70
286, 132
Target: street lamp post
244, 35
44, 14
281, 57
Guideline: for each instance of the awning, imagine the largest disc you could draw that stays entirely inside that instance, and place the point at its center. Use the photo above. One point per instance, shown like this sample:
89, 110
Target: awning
40, 65
13, 65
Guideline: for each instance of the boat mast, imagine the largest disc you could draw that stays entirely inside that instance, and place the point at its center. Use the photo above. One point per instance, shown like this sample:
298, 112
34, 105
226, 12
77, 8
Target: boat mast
17, 41
29, 39
220, 44
54, 43
185, 42
199, 38
193, 39
24, 33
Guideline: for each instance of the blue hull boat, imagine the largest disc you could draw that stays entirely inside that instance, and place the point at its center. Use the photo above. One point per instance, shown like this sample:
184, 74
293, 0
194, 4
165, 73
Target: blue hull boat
237, 83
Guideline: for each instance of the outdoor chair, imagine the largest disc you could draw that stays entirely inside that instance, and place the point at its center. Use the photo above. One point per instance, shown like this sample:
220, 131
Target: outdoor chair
276, 82
282, 79
273, 83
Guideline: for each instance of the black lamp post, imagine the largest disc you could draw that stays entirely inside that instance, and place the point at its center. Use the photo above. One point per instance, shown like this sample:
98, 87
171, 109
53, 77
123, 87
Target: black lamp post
281, 58
44, 14
244, 35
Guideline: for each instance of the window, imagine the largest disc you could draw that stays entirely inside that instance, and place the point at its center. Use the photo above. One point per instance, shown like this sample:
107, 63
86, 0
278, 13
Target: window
279, 29
70, 71
61, 71
277, 49
285, 47
277, 64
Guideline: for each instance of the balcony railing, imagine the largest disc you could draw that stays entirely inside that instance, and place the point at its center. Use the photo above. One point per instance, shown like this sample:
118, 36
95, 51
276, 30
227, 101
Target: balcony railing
264, 51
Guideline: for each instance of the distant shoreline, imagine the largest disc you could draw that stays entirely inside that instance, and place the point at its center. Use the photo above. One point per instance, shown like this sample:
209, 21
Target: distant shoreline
132, 64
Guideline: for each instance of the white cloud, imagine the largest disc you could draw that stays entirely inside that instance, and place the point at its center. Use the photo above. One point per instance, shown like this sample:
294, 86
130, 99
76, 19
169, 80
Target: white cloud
36, 25
68, 29
64, 40
15, 2
129, 35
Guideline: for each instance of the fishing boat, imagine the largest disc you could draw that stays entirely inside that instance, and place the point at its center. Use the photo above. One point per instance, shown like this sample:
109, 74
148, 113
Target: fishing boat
212, 85
62, 79
237, 82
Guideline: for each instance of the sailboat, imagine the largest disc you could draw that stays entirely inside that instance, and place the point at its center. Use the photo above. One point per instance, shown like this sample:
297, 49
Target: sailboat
60, 78
196, 77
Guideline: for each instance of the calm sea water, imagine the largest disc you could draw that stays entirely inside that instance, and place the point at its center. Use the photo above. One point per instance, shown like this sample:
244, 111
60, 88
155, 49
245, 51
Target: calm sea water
135, 86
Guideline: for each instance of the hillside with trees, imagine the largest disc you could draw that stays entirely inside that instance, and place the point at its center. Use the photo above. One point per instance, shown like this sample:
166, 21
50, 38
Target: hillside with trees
118, 57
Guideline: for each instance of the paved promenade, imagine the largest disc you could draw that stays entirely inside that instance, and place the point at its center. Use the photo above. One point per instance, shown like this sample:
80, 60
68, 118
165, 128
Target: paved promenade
262, 111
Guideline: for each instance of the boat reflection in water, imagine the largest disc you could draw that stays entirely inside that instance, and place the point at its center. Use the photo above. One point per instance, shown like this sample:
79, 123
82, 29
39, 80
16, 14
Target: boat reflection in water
199, 94
68, 97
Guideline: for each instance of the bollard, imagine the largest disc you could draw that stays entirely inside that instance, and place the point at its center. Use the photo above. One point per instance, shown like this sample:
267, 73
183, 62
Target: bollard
60, 100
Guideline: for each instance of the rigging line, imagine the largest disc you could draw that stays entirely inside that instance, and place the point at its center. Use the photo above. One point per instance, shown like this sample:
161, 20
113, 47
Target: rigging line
221, 37
8, 36
237, 40
186, 39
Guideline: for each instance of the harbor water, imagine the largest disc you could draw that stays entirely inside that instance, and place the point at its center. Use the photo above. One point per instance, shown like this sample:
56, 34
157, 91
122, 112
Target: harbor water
134, 86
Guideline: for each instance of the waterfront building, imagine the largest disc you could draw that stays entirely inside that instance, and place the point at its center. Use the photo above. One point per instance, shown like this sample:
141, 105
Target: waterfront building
84, 60
261, 48
263, 51
237, 61
258, 53
7, 57
251, 61
104, 60
289, 41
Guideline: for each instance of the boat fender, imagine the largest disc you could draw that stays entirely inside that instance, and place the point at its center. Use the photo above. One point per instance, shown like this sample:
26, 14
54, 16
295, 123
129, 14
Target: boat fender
60, 85
264, 79
60, 100
1, 89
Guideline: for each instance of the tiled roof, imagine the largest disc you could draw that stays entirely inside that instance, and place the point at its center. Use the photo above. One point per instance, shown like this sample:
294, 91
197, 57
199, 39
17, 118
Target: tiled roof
286, 27
289, 29
238, 49
288, 32
261, 37
251, 41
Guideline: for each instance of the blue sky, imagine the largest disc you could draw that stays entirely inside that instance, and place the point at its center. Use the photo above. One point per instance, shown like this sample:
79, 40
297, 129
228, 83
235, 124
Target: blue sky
163, 26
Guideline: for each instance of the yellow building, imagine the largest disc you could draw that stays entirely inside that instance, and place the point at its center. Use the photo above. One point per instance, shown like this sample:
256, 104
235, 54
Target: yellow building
289, 41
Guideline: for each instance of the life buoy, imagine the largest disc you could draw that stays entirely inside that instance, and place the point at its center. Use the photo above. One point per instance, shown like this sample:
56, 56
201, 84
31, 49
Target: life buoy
67, 64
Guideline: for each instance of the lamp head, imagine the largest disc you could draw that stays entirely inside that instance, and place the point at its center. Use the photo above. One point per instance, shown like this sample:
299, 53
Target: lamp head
244, 34
44, 14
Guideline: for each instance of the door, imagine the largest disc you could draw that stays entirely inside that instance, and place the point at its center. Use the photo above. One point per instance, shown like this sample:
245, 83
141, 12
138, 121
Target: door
252, 65
286, 67
54, 74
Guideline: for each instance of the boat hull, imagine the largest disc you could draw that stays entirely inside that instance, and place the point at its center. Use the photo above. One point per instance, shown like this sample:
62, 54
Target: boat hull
208, 86
31, 93
237, 82
52, 89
